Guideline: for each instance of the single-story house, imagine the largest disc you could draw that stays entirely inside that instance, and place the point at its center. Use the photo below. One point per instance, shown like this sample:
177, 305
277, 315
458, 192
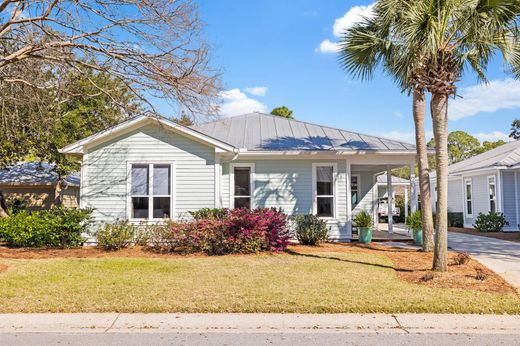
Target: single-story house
39, 185
486, 182
150, 168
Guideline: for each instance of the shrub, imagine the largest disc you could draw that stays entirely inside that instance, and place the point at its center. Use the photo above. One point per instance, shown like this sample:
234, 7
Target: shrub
363, 219
455, 219
116, 236
414, 221
238, 231
56, 227
481, 275
492, 222
208, 213
462, 258
310, 230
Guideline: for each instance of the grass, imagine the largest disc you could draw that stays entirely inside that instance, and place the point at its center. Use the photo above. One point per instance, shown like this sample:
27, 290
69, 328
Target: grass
299, 282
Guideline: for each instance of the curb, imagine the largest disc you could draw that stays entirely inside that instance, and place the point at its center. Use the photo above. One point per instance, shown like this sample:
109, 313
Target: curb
258, 323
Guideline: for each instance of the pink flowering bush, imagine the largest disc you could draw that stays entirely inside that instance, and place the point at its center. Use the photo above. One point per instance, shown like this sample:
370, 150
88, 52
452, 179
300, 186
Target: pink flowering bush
237, 231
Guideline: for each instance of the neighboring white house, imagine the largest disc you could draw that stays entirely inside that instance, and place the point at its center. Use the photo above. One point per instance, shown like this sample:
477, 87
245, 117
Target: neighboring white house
486, 182
150, 168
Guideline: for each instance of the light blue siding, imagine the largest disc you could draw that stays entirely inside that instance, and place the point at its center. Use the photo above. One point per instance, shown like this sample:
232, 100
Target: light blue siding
105, 171
510, 199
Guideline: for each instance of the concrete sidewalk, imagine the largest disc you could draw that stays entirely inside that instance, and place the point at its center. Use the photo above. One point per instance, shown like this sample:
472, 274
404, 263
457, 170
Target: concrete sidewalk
259, 323
501, 256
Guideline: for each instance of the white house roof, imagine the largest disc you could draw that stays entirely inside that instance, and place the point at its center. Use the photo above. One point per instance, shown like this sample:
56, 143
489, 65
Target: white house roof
265, 132
381, 179
506, 155
35, 173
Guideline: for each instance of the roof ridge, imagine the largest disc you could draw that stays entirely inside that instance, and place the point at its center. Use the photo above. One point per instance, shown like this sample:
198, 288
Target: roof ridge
311, 123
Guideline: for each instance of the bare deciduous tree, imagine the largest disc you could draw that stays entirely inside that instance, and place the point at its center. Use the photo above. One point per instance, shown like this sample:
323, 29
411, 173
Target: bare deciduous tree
153, 46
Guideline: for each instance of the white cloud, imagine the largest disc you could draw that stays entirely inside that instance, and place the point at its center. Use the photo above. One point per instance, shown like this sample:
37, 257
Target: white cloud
327, 46
492, 136
257, 91
486, 98
354, 15
235, 102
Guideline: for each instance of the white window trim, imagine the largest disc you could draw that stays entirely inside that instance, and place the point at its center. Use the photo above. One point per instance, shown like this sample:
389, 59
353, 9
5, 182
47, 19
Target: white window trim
232, 167
358, 176
489, 199
334, 189
466, 181
150, 195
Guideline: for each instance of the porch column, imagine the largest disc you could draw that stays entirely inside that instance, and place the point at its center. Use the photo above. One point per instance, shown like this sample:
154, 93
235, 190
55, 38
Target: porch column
405, 202
349, 200
413, 188
390, 192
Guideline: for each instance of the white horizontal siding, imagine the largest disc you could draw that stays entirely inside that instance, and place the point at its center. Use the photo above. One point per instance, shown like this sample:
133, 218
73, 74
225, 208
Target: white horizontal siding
480, 197
105, 171
510, 200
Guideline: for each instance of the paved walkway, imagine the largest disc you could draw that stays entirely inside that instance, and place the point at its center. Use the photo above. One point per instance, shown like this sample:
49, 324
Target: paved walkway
501, 256
96, 323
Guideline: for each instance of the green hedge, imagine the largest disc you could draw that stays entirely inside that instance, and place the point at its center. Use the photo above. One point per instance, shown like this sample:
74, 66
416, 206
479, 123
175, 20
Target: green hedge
57, 227
455, 219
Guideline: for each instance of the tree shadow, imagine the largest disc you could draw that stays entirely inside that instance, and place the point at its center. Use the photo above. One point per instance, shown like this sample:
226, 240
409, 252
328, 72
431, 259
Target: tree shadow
314, 143
333, 258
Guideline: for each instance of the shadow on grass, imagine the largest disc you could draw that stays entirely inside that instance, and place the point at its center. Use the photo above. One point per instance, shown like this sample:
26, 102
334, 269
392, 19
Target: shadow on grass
295, 253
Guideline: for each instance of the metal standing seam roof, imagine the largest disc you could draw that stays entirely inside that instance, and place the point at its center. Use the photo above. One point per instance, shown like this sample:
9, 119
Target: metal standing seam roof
266, 132
35, 173
505, 155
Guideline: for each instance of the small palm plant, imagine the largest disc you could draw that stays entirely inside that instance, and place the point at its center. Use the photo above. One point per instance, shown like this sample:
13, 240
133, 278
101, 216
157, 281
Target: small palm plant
414, 223
363, 221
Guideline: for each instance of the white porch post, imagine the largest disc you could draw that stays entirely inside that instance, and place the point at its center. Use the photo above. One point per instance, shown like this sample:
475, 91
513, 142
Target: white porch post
390, 192
349, 201
405, 202
413, 188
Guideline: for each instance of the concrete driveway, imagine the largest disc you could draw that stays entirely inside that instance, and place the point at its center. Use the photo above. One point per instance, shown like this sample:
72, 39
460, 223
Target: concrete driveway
501, 256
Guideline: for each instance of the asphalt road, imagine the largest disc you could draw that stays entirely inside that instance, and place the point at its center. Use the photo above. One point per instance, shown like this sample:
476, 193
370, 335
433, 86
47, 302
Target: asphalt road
246, 339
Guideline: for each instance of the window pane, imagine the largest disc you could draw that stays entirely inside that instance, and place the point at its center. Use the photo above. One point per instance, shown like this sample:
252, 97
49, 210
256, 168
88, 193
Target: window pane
242, 181
161, 207
140, 207
139, 180
324, 180
492, 191
161, 179
325, 206
469, 207
354, 183
492, 206
243, 202
468, 191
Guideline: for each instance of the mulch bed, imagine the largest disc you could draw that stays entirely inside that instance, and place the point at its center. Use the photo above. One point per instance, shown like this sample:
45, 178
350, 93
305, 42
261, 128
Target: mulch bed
3, 268
511, 236
410, 265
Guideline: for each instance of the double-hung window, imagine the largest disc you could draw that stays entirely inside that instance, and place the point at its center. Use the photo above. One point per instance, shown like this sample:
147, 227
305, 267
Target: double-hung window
324, 190
492, 194
242, 186
150, 191
469, 198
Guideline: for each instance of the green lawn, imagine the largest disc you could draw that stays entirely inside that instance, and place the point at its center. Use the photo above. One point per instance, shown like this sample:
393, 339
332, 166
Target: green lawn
331, 282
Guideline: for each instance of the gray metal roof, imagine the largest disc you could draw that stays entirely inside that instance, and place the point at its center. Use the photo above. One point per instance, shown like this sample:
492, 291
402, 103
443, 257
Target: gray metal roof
381, 179
505, 155
265, 132
35, 173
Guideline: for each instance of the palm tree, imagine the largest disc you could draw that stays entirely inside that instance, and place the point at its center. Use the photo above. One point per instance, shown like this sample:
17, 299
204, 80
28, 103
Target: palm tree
367, 46
448, 38
431, 43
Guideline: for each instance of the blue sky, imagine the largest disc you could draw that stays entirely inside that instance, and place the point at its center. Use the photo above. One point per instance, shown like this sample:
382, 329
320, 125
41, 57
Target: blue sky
280, 52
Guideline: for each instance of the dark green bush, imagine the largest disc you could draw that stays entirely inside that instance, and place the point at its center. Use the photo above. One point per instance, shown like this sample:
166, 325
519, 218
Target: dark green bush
363, 219
492, 222
57, 227
116, 236
310, 230
209, 213
455, 219
414, 221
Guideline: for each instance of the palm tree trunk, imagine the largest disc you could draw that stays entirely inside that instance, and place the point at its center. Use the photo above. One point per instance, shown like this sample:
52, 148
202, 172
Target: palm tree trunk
3, 206
439, 110
419, 106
